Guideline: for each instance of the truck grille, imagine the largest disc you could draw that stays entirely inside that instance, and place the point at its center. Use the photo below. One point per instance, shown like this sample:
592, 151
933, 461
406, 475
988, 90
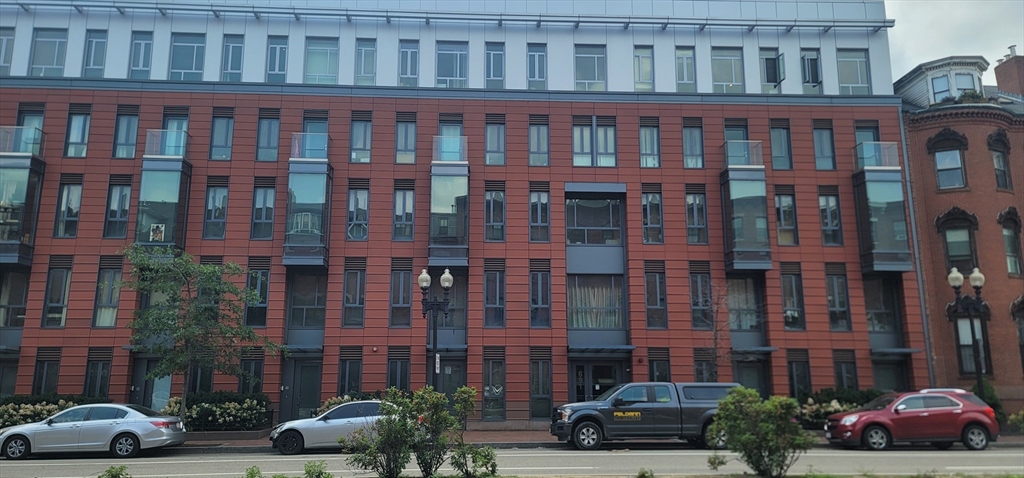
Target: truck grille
555, 415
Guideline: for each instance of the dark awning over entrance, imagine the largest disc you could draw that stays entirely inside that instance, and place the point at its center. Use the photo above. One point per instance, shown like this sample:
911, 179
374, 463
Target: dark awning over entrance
602, 351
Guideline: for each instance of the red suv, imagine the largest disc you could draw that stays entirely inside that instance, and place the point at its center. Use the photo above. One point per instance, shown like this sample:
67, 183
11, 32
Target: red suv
939, 416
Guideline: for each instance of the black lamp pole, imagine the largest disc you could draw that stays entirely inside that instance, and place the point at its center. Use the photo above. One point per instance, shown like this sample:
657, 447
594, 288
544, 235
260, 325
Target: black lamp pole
973, 306
434, 308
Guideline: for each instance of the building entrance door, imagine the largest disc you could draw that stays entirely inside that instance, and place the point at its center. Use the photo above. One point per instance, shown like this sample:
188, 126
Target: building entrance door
150, 393
305, 398
591, 379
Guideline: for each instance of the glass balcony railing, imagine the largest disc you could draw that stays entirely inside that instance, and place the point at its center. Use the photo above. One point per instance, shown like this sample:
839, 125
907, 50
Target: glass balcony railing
743, 153
877, 154
21, 140
170, 143
309, 145
450, 148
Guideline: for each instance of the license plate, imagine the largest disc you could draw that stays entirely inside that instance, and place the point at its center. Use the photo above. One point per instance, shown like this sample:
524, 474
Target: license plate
828, 434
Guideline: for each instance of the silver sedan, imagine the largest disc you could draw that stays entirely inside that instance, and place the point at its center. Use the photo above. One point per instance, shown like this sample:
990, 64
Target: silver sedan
323, 431
120, 429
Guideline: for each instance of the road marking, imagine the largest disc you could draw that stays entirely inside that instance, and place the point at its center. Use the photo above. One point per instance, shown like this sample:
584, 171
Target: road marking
988, 467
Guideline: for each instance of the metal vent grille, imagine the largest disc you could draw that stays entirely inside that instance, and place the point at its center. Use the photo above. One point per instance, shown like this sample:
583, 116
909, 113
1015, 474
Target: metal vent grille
223, 111
264, 182
218, 180
700, 267
101, 353
789, 267
657, 353
401, 263
362, 116
62, 261
797, 355
405, 117
492, 352
31, 107
259, 262
252, 353
314, 114
121, 179
405, 184
111, 262
693, 122
494, 264
449, 117
704, 355
835, 268
778, 123
270, 113
736, 122
175, 110
540, 186
650, 188
696, 189
358, 183
211, 260
649, 121
71, 178
540, 265
355, 263
128, 109
538, 119
654, 266
494, 185
865, 123
79, 109
540, 353
350, 352
606, 121
399, 352
785, 189
48, 353
582, 120
844, 356
828, 190
822, 124
494, 118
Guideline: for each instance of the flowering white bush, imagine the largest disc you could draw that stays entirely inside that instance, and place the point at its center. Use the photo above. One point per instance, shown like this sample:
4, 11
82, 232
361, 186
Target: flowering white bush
16, 414
814, 414
247, 415
332, 402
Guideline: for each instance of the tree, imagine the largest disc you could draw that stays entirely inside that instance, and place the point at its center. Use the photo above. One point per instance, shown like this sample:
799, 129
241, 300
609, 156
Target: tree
193, 318
715, 303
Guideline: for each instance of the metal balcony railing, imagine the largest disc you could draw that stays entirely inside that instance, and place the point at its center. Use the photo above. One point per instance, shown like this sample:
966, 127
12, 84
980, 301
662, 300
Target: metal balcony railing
168, 143
21, 140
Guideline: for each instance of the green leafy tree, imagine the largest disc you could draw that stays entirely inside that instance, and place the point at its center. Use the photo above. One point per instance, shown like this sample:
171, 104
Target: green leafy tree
468, 459
435, 424
385, 446
764, 433
991, 399
194, 316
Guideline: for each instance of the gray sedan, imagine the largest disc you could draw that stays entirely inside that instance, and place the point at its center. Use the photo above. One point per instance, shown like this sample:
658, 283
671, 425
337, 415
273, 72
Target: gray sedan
323, 431
120, 429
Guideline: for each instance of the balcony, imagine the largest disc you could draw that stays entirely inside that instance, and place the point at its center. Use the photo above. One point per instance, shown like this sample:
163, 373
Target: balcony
166, 144
21, 141
309, 146
450, 149
877, 155
743, 154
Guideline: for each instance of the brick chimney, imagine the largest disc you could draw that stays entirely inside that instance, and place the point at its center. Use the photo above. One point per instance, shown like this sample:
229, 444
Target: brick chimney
1010, 73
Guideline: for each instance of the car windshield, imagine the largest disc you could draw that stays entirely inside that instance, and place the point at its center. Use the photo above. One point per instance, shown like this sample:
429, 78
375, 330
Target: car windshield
878, 403
143, 410
608, 393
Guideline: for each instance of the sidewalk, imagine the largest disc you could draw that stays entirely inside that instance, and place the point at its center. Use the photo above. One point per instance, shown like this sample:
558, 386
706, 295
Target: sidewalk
504, 439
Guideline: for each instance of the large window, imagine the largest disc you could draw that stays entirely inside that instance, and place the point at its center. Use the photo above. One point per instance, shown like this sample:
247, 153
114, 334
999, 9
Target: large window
831, 222
591, 68
405, 201
494, 74
118, 202
366, 62
452, 65
354, 306
727, 70
95, 53
97, 382
949, 169
540, 299
49, 48
838, 302
350, 380
401, 298
13, 297
494, 298
408, 63
358, 220
656, 298
1004, 180
686, 78
494, 216
593, 221
652, 218
268, 137
214, 225
494, 389
696, 218
880, 303
746, 311
595, 302
940, 88
536, 66
58, 284
76, 142
6, 55
824, 149
959, 249
810, 69
593, 144
540, 389
785, 216
854, 77
256, 311
108, 294
650, 147
188, 52
277, 59
322, 61
45, 380
221, 136
643, 68
69, 206
539, 145
494, 144
231, 63
251, 380
965, 345
793, 302
362, 132
405, 142
398, 374
540, 221
773, 70
263, 213
141, 56
782, 156
846, 370
964, 83
126, 134
701, 300
307, 301
1011, 242
799, 377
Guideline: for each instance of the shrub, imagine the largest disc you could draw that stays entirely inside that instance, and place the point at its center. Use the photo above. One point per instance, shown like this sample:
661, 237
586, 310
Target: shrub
222, 411
470, 461
1017, 421
16, 414
385, 447
316, 469
764, 433
331, 403
51, 398
115, 472
990, 396
253, 472
644, 473
816, 407
432, 440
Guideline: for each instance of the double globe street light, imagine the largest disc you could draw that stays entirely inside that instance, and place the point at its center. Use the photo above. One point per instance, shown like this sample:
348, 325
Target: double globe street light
435, 307
972, 306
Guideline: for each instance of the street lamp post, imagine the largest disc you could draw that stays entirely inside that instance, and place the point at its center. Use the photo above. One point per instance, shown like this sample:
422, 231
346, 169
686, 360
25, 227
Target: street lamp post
435, 307
973, 306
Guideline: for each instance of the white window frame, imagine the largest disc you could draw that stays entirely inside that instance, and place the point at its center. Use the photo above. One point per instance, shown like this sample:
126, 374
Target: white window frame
366, 62
863, 72
959, 89
494, 76
231, 51
650, 147
460, 60
330, 75
810, 70
938, 95
94, 60
764, 55
537, 66
56, 66
142, 51
686, 72
589, 53
733, 84
408, 63
178, 40
6, 50
642, 54
279, 53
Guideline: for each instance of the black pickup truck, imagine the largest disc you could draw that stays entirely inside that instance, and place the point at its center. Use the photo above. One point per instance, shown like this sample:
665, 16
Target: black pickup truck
642, 410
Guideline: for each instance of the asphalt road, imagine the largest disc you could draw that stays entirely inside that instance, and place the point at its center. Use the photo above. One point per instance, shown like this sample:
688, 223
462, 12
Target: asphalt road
624, 462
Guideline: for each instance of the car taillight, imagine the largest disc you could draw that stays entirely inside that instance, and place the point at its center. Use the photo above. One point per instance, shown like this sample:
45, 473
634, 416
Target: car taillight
990, 412
163, 424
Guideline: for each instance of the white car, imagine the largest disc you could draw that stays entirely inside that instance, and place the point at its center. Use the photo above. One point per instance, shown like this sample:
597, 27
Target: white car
293, 437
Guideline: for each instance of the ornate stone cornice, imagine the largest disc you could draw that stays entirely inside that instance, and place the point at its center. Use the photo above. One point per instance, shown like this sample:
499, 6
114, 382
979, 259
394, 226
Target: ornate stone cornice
1010, 218
999, 141
946, 137
1017, 308
965, 113
956, 217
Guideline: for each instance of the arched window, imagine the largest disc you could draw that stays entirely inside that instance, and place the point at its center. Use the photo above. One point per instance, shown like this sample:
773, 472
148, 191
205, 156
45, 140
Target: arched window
999, 146
957, 228
1011, 222
1017, 313
948, 147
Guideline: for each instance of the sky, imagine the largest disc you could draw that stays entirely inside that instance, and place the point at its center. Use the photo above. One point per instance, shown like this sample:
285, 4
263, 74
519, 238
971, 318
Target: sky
931, 29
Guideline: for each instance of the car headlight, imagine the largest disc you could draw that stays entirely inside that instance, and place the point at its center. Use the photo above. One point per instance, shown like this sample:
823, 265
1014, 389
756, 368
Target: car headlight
4, 430
849, 419
565, 414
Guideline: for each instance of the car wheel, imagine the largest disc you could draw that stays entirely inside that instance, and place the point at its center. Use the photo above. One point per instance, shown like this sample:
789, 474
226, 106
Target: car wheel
290, 443
125, 446
876, 438
975, 437
942, 445
712, 442
587, 436
17, 448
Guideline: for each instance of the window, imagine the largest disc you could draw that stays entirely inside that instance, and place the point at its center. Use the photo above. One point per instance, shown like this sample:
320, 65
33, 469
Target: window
540, 221
950, 169
408, 63
268, 137
263, 213
964, 83
405, 142
405, 200
452, 65
118, 201
108, 294
965, 345
696, 219
595, 302
221, 134
831, 223
188, 51
494, 216
401, 298
45, 381
536, 66
838, 303
727, 70
540, 299
656, 299
1011, 242
494, 146
76, 142
880, 303
686, 78
591, 68
366, 62
746, 309
540, 389
785, 216
650, 156
97, 381
358, 215
782, 156
773, 70
587, 138
1003, 176
398, 374
58, 282
231, 64
494, 298
854, 78
256, 311
126, 134
95, 54
960, 249
799, 378
701, 301
940, 88
651, 204
693, 147
6, 50
846, 374
251, 380
810, 69
277, 59
48, 50
658, 371
68, 209
361, 140
216, 212
539, 145
350, 381
307, 301
321, 61
793, 302
13, 297
824, 149
643, 68
202, 379
142, 55
355, 298
495, 66
593, 221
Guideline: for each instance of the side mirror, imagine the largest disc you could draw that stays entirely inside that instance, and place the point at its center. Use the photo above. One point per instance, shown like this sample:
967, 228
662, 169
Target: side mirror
49, 422
900, 408
618, 402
